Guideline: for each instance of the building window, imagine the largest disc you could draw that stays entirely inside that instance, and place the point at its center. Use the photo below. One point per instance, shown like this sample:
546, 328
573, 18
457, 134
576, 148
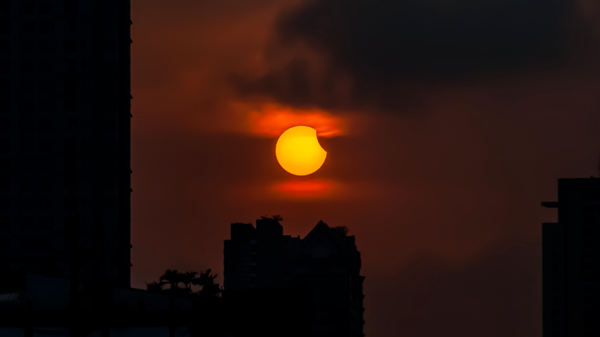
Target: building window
28, 85
46, 183
5, 27
46, 105
28, 164
5, 7
71, 124
70, 105
85, 45
5, 46
70, 203
46, 125
27, 223
28, 144
46, 144
27, 125
5, 183
5, 125
71, 66
46, 46
46, 7
46, 65
110, 66
110, 202
5, 65
4, 165
46, 85
86, 84
27, 106
4, 205
71, 84
5, 105
70, 6
4, 144
46, 223
46, 164
27, 65
70, 144
5, 85
70, 46
110, 46
28, 27
28, 46
46, 27
42, 241
109, 123
28, 7
591, 210
4, 243
46, 204
86, 65
5, 222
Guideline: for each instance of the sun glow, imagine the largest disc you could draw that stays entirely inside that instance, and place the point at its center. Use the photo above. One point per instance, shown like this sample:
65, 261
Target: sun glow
298, 151
272, 120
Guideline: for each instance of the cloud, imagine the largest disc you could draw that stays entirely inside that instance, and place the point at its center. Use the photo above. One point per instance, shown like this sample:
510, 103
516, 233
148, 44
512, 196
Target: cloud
353, 54
272, 120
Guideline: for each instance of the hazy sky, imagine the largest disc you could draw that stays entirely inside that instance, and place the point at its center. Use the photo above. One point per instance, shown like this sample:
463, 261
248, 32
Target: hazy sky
446, 123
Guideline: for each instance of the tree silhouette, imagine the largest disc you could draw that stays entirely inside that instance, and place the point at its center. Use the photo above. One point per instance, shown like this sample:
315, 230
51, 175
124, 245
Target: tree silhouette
173, 278
154, 287
341, 230
209, 288
187, 278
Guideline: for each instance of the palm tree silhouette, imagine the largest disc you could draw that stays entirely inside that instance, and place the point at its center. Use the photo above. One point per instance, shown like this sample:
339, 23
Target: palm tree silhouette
187, 278
209, 288
154, 287
171, 277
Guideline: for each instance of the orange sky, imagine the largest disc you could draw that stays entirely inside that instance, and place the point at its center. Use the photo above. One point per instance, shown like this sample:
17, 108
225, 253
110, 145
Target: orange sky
442, 191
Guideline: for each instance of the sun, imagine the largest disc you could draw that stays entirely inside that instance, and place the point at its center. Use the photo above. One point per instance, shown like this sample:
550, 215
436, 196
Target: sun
298, 151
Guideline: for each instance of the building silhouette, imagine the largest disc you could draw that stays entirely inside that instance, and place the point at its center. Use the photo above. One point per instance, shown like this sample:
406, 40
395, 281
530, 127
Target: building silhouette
65, 186
326, 264
571, 261
65, 139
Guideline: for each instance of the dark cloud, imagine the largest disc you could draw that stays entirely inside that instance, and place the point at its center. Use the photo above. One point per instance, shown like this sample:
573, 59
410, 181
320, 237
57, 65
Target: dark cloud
378, 47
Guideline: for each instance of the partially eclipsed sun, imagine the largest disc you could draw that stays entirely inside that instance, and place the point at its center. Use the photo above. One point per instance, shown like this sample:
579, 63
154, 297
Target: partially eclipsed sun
298, 151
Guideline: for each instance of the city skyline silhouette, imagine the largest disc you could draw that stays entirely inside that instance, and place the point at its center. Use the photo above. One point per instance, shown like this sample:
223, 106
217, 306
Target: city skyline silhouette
134, 133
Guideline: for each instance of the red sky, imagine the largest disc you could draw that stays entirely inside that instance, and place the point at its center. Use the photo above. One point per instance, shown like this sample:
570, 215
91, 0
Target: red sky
439, 180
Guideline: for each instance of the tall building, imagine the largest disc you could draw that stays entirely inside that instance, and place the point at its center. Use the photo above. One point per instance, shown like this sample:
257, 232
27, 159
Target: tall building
326, 263
65, 139
571, 261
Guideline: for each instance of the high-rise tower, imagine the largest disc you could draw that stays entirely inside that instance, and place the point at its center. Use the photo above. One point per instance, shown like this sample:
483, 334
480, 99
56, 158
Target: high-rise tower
326, 264
571, 261
65, 139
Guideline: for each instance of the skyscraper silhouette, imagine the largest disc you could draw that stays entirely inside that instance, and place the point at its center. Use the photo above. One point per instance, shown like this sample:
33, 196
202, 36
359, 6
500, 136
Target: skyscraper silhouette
571, 261
326, 263
65, 139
